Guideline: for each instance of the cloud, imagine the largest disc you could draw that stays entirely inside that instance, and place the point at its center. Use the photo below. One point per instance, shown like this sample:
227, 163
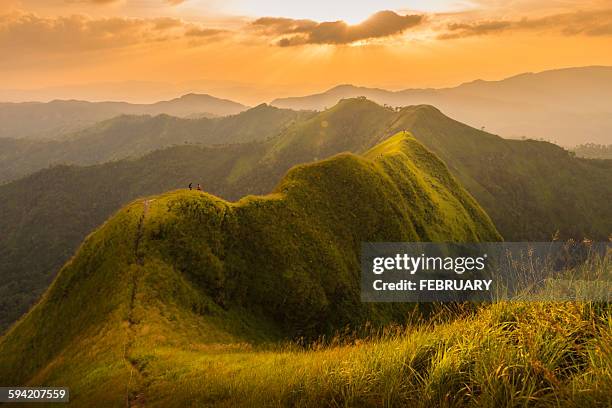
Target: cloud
171, 2
92, 1
300, 32
166, 23
590, 23
280, 25
24, 31
204, 32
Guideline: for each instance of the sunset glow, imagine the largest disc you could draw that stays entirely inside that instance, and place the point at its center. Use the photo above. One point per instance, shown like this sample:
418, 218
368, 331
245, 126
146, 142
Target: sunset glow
254, 51
351, 12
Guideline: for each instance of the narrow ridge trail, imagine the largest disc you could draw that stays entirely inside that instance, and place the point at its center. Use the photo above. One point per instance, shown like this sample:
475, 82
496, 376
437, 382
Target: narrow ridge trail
135, 398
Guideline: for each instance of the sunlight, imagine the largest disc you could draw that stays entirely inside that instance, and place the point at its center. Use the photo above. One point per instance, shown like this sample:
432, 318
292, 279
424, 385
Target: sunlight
319, 10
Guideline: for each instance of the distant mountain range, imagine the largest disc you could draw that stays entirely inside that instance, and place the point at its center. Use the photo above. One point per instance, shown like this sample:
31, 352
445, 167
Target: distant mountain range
134, 136
530, 189
567, 106
55, 119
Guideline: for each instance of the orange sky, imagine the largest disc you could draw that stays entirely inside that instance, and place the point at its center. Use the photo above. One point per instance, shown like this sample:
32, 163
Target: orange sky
254, 51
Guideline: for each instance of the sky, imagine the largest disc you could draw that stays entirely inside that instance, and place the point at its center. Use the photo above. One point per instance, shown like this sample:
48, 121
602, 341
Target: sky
255, 51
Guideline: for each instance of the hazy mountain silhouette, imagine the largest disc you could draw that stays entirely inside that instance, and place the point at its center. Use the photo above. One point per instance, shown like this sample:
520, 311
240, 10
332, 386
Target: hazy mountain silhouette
55, 119
567, 106
134, 136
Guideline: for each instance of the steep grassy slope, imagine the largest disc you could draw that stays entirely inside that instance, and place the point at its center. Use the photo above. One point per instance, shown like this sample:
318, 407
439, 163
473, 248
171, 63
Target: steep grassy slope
530, 189
190, 269
44, 217
135, 136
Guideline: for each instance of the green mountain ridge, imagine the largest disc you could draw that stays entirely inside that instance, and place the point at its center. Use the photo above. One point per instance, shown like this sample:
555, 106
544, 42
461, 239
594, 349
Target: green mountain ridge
530, 189
191, 266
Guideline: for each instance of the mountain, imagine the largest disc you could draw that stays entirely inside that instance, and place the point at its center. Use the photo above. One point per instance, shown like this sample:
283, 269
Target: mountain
52, 120
567, 106
530, 189
134, 136
191, 104
189, 265
46, 215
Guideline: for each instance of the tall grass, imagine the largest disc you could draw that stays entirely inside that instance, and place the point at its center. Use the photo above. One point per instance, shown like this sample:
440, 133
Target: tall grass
502, 355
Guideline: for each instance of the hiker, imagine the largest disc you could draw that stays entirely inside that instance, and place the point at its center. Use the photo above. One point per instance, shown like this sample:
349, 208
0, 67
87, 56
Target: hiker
190, 186
199, 188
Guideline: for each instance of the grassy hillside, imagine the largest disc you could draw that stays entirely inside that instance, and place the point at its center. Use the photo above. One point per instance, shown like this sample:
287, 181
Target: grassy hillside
135, 136
190, 271
530, 189
44, 217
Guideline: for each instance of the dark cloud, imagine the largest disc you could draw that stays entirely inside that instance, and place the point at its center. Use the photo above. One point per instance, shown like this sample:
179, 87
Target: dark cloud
280, 26
591, 23
300, 32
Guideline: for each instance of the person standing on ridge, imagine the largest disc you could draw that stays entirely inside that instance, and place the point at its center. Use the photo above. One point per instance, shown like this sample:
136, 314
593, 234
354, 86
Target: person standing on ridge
199, 188
190, 186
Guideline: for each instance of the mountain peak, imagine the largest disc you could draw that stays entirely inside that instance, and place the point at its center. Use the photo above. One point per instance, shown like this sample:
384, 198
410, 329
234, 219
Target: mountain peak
356, 101
342, 87
192, 95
